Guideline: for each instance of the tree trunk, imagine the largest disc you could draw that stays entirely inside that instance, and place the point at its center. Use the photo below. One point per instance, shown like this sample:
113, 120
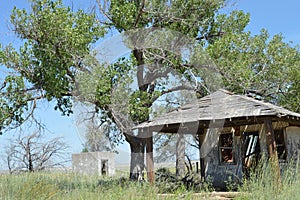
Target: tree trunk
137, 157
138, 144
149, 159
30, 163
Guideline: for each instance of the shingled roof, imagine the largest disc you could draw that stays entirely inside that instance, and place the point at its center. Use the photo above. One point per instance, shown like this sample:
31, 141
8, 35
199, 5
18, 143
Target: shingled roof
221, 105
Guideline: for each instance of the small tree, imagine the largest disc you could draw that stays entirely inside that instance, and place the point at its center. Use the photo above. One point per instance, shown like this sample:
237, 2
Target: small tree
31, 153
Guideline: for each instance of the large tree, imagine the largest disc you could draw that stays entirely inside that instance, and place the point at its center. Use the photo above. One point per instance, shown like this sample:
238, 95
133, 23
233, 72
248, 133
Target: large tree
57, 45
183, 20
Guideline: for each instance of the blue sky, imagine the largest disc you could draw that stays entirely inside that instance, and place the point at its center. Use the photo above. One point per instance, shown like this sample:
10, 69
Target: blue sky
276, 16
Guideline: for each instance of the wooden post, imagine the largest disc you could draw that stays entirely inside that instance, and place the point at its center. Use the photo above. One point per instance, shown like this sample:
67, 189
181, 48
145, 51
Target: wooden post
202, 165
270, 138
180, 155
271, 144
242, 154
237, 131
149, 159
202, 168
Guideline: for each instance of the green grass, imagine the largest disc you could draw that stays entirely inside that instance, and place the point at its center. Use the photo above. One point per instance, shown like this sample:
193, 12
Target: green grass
73, 186
43, 185
262, 183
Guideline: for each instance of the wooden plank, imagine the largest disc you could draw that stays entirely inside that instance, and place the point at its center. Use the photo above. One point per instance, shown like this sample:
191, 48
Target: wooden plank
149, 159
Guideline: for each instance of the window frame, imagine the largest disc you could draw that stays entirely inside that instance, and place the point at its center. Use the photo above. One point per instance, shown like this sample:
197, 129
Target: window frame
251, 148
221, 147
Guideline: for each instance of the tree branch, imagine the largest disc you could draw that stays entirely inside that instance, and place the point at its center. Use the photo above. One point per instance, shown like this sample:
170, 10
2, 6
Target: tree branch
103, 9
153, 75
207, 37
174, 89
139, 13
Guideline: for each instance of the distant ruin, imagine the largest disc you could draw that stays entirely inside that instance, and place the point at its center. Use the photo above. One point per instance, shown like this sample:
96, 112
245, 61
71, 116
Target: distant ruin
94, 163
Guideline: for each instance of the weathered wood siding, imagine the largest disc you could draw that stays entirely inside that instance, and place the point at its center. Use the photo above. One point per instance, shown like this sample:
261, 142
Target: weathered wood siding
292, 134
219, 172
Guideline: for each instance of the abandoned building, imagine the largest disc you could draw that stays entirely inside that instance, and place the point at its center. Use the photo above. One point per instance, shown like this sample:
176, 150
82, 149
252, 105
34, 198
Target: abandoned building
233, 130
94, 163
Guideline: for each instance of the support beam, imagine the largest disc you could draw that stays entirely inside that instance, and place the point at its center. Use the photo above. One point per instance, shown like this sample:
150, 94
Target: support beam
202, 164
180, 155
271, 145
270, 138
237, 132
149, 159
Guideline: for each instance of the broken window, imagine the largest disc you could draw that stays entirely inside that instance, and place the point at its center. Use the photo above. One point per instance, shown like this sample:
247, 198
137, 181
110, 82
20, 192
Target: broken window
226, 148
251, 149
280, 144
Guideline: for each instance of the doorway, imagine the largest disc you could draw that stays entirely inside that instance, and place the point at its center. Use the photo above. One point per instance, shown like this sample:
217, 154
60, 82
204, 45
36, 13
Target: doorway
104, 167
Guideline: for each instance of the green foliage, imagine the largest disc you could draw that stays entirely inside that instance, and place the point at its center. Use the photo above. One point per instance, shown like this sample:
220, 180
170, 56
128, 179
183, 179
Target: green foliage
260, 64
106, 86
192, 18
12, 101
139, 106
55, 41
235, 22
123, 14
110, 76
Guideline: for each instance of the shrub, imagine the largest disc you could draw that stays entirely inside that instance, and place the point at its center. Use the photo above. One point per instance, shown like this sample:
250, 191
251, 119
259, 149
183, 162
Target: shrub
168, 182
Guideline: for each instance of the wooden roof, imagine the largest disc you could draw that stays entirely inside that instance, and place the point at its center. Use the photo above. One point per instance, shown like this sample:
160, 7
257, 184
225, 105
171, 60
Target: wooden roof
221, 105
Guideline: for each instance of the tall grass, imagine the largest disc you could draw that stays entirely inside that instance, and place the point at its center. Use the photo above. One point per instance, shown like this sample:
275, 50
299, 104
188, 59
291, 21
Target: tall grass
262, 183
42, 186
73, 186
